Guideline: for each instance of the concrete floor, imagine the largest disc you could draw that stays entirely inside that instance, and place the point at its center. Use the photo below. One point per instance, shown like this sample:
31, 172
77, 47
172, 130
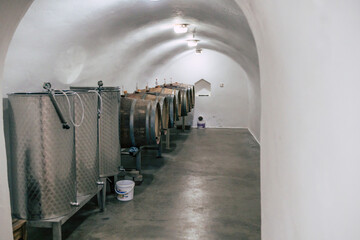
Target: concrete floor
206, 187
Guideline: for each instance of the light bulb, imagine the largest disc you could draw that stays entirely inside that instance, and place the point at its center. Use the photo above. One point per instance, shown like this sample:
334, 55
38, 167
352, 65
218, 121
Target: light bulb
180, 28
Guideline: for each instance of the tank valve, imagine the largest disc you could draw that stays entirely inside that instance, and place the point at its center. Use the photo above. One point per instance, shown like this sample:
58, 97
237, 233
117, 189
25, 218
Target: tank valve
133, 151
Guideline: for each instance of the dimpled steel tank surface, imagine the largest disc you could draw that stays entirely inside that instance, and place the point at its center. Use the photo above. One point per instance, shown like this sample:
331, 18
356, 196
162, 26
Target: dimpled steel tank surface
108, 127
87, 163
43, 163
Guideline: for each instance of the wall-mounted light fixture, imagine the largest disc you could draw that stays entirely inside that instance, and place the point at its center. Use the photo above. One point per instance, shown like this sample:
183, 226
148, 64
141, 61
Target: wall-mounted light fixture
181, 28
193, 42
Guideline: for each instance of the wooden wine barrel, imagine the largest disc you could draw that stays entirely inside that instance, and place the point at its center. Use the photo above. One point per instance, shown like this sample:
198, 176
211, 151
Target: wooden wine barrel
184, 98
193, 95
190, 89
172, 96
140, 123
164, 106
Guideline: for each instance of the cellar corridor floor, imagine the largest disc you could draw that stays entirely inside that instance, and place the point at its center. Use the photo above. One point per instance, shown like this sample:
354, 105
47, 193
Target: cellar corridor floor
206, 187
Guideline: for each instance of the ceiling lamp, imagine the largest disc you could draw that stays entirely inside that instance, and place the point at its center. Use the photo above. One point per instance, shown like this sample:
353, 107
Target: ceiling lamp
193, 42
181, 28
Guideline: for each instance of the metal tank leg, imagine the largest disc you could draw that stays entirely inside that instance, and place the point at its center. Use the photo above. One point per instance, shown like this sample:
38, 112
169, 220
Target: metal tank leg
99, 200
102, 195
168, 139
116, 178
56, 229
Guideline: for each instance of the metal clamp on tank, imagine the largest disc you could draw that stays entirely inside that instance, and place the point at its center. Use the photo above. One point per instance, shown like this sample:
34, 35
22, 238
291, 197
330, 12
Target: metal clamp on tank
75, 204
100, 183
47, 86
99, 89
100, 84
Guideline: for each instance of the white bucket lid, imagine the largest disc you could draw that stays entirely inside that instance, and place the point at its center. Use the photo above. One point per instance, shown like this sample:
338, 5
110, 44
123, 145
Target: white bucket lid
125, 183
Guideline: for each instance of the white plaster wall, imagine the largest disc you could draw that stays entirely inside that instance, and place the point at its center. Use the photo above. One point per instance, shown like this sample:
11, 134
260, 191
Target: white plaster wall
227, 107
254, 93
11, 13
310, 135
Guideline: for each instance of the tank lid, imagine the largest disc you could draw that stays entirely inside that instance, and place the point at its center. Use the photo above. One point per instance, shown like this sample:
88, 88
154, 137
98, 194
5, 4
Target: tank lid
105, 89
39, 93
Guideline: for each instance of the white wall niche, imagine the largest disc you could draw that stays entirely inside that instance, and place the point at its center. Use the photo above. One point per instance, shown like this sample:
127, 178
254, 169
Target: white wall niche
227, 107
202, 88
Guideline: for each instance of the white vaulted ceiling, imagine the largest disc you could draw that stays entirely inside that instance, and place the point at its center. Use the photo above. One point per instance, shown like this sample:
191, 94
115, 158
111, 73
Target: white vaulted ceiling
80, 42
126, 42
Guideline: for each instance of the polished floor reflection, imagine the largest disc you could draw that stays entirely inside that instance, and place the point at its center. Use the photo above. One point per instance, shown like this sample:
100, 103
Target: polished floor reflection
206, 187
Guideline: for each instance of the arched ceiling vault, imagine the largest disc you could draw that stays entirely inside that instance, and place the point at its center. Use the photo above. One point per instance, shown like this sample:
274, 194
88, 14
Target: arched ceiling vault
80, 42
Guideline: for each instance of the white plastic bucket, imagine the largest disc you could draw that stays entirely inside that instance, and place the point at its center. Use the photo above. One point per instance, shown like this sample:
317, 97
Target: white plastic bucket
125, 190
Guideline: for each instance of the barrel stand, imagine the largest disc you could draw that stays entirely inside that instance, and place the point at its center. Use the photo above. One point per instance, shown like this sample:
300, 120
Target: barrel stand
168, 139
56, 223
135, 175
158, 148
104, 181
183, 124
